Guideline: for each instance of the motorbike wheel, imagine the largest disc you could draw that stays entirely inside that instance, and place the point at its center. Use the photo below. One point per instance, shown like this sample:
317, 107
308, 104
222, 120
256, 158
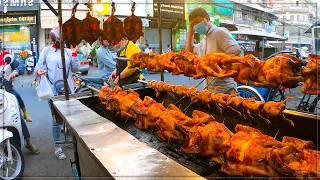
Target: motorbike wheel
8, 170
248, 93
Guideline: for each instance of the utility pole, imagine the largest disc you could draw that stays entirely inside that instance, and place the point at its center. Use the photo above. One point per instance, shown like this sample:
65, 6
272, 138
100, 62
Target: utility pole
299, 38
283, 28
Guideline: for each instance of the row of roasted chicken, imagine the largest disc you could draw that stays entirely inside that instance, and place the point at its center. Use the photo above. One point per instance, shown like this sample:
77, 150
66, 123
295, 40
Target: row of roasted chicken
281, 70
234, 102
247, 152
88, 29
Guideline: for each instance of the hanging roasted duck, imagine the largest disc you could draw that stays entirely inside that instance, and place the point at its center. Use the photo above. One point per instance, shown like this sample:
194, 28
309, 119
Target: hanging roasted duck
73, 29
113, 28
133, 26
91, 28
311, 75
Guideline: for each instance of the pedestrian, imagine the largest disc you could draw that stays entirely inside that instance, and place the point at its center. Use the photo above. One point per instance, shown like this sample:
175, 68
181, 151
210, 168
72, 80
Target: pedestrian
128, 75
168, 48
217, 39
50, 64
11, 69
146, 48
105, 61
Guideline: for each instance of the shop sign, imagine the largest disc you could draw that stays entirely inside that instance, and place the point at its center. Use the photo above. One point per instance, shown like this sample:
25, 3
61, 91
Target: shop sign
286, 34
10, 29
18, 20
19, 5
171, 9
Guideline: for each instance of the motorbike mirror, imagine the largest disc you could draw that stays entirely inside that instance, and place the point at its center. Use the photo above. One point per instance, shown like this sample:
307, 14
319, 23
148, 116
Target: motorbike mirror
8, 58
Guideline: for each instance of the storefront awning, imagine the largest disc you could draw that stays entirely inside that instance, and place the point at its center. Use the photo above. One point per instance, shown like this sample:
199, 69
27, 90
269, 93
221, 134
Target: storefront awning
259, 35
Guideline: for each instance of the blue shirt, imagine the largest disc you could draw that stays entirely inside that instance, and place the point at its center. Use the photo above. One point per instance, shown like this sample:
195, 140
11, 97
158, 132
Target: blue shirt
105, 61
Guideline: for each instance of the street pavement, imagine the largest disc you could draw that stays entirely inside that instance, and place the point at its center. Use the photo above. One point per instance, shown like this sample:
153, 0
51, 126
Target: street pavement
45, 164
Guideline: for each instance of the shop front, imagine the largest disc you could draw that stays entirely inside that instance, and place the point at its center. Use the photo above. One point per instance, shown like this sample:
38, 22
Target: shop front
19, 30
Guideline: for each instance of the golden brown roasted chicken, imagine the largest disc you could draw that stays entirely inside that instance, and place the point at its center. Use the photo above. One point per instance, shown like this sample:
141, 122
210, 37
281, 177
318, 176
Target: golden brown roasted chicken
292, 162
166, 61
167, 121
248, 153
144, 60
274, 109
311, 75
254, 106
147, 113
282, 70
210, 64
211, 140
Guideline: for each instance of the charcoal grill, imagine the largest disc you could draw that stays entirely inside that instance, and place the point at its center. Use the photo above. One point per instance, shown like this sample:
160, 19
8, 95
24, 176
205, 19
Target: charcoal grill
305, 128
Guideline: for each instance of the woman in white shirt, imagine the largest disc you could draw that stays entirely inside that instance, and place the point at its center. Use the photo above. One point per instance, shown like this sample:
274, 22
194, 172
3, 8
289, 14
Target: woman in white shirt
50, 64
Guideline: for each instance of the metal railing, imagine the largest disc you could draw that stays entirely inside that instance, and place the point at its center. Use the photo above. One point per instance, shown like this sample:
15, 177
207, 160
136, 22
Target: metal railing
249, 22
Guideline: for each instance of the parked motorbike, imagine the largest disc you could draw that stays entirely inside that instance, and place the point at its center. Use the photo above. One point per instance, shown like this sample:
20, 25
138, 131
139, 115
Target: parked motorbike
81, 83
30, 64
11, 138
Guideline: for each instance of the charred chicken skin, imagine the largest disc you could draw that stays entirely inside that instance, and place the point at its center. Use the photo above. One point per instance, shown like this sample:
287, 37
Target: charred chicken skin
248, 153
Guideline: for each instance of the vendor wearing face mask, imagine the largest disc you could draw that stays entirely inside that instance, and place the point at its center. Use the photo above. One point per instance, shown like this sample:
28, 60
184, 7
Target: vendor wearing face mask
216, 39
127, 75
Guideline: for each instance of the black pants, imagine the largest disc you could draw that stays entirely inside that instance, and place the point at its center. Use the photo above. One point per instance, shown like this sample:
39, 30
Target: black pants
25, 130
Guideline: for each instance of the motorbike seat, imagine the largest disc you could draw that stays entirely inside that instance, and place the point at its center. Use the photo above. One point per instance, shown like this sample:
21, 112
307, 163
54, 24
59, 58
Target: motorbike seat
94, 80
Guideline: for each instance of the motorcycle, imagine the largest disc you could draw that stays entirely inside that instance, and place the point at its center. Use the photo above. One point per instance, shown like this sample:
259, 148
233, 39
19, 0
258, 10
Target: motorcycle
81, 83
11, 137
30, 64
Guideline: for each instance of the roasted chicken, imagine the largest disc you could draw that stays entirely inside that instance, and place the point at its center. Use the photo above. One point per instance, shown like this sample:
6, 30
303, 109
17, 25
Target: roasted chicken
147, 113
293, 162
248, 153
254, 106
211, 140
282, 70
144, 60
274, 109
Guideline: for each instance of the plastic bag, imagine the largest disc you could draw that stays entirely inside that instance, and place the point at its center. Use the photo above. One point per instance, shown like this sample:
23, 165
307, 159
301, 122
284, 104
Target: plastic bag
44, 90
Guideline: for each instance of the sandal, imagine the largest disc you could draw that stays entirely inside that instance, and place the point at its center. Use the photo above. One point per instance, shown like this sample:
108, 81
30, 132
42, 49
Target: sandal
59, 154
33, 149
28, 119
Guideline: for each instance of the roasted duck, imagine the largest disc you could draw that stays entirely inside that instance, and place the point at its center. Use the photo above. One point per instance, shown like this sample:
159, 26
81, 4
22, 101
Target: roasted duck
311, 75
133, 26
73, 31
113, 28
91, 28
248, 153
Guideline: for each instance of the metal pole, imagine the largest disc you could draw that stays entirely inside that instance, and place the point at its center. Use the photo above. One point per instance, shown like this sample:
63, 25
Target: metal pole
66, 87
283, 42
160, 33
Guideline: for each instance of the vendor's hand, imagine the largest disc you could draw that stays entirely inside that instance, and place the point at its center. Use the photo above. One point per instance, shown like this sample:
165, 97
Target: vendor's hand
41, 72
116, 81
113, 75
191, 28
74, 49
13, 75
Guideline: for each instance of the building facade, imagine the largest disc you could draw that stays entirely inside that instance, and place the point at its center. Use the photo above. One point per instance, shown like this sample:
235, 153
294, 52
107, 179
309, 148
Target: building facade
20, 26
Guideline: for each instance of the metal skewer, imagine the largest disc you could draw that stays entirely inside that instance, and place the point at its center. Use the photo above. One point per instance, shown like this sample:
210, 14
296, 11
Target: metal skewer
185, 95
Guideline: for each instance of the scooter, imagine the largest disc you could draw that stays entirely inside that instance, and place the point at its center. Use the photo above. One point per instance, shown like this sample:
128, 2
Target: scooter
81, 83
11, 138
30, 64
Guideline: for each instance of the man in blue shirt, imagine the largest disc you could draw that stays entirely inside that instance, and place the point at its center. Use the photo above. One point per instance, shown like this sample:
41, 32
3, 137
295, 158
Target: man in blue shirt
106, 64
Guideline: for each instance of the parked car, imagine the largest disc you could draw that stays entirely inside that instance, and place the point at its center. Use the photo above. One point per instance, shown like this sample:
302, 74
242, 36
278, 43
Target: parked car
83, 63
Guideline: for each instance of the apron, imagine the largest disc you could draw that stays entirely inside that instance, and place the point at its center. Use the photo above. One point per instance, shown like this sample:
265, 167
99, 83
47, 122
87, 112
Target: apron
133, 78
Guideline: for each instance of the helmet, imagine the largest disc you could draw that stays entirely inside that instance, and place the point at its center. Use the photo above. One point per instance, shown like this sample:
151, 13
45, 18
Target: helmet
8, 58
54, 34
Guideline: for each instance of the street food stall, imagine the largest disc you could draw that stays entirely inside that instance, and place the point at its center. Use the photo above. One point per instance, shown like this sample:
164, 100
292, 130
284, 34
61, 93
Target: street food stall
155, 130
